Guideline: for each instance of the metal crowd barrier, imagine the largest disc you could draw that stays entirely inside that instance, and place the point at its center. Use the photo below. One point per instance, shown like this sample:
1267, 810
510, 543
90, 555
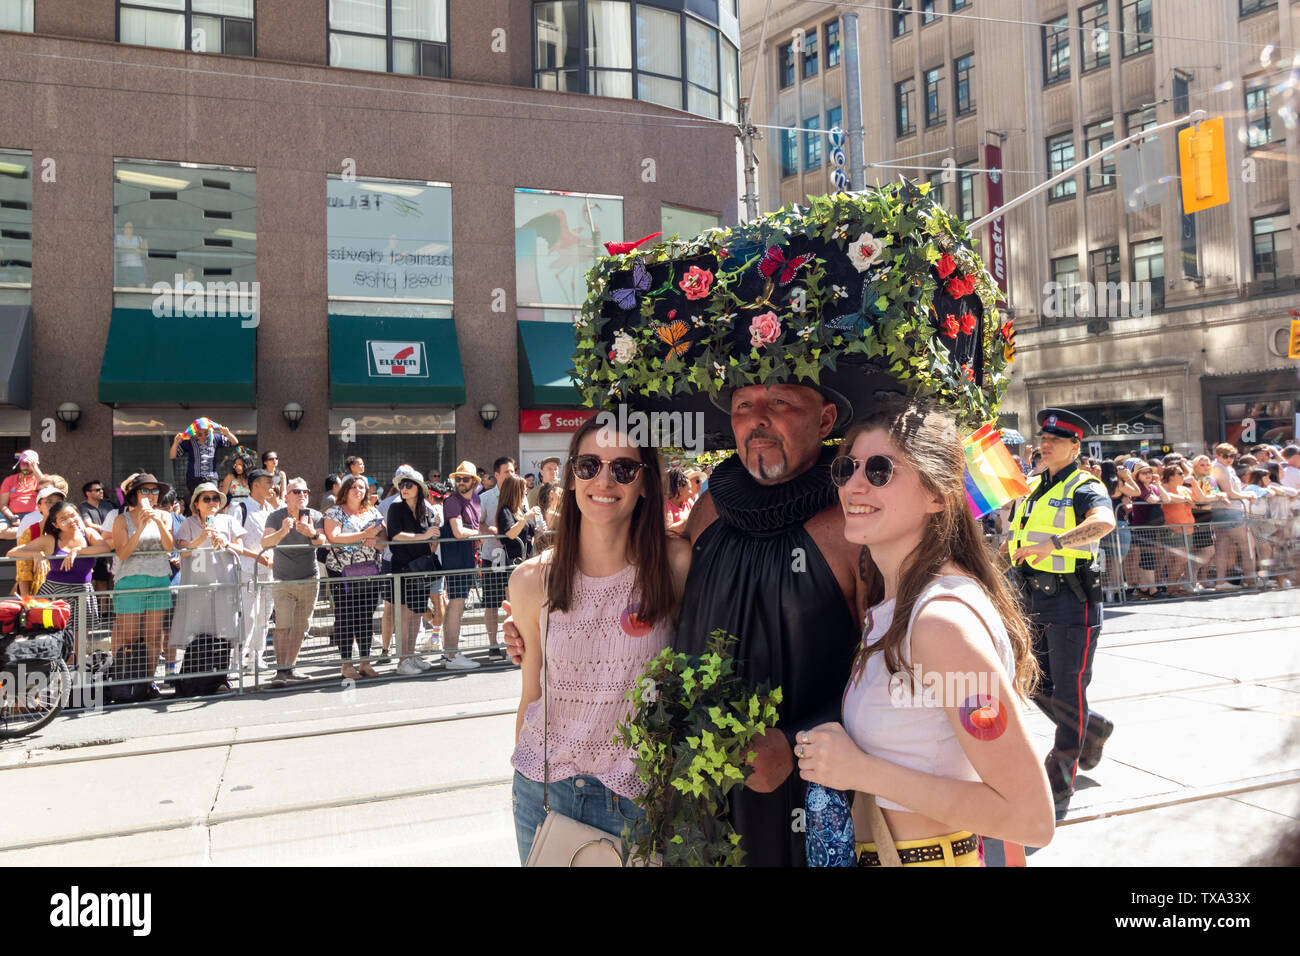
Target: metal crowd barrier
1184, 560
359, 610
363, 619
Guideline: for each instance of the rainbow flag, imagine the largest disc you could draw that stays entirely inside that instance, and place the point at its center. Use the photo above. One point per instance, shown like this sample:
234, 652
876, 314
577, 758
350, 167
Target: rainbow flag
204, 425
992, 476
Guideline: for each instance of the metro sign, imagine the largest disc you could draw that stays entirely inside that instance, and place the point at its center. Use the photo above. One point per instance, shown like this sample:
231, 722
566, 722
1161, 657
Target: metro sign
397, 358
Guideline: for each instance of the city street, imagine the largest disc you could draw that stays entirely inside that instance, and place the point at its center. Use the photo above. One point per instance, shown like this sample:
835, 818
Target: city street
1205, 695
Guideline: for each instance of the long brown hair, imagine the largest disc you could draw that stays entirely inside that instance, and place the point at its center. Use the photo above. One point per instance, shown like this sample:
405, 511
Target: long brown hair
513, 489
646, 540
928, 441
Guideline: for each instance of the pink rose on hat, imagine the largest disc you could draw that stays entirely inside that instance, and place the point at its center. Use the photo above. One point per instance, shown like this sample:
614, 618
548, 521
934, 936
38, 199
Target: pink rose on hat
765, 329
696, 283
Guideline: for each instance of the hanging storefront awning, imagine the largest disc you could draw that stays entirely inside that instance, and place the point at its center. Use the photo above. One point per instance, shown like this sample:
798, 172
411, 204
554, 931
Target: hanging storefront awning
166, 361
16, 355
394, 360
545, 357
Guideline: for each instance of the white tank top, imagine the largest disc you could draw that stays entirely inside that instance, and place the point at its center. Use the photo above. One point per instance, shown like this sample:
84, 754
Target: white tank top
886, 715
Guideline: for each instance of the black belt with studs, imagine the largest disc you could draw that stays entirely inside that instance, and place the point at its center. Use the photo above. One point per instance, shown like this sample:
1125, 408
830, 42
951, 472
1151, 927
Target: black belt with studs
923, 854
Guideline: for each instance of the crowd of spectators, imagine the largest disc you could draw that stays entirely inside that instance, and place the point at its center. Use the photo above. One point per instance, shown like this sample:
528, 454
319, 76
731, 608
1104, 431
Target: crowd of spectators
1214, 522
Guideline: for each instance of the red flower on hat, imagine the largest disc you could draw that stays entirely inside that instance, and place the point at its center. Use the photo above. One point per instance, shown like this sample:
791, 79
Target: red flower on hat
945, 265
967, 323
611, 355
970, 374
961, 286
950, 327
696, 283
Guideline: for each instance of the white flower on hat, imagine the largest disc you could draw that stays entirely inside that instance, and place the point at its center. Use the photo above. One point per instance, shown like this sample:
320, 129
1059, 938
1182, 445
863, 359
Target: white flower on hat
624, 348
865, 251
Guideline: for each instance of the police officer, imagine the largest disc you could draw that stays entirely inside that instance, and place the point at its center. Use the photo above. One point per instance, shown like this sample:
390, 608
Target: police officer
1053, 544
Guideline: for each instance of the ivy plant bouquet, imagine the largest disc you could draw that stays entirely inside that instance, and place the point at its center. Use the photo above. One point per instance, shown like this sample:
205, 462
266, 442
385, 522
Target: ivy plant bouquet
690, 730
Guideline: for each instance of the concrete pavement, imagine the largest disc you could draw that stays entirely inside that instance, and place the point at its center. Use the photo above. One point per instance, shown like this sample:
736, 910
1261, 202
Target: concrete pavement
1205, 694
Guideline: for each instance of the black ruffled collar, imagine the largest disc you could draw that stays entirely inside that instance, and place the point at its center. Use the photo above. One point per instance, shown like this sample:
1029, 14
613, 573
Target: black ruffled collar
765, 510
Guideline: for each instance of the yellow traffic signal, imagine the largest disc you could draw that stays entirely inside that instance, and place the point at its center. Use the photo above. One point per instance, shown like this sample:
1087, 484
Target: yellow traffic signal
1293, 350
1203, 165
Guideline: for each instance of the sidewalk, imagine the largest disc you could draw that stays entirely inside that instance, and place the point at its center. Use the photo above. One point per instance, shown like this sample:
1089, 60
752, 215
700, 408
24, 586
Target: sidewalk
1205, 696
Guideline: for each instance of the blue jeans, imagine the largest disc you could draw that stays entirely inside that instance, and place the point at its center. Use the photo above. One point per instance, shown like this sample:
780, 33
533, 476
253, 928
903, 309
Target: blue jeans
584, 799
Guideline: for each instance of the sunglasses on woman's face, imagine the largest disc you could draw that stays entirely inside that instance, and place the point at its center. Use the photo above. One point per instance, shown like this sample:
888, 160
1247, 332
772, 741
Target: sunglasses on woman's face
148, 491
406, 484
210, 500
879, 470
624, 470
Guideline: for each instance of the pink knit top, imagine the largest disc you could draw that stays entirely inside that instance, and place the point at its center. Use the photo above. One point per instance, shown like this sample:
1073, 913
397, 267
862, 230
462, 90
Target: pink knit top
594, 653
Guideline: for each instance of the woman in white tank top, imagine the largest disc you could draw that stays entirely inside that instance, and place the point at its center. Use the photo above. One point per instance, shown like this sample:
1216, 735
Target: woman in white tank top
932, 724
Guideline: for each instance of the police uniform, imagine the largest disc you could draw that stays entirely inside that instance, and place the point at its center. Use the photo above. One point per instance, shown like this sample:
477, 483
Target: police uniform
1063, 598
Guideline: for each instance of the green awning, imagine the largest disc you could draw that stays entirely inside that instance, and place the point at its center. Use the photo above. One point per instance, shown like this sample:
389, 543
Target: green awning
394, 360
165, 361
545, 358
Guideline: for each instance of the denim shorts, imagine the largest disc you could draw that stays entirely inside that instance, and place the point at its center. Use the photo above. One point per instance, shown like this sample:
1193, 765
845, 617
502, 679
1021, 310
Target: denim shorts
585, 799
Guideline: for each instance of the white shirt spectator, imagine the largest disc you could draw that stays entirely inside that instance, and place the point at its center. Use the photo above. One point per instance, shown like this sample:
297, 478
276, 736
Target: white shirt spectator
488, 503
254, 528
1291, 477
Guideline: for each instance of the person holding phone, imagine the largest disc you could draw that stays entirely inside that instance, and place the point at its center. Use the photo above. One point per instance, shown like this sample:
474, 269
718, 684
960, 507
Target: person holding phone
292, 531
142, 535
210, 545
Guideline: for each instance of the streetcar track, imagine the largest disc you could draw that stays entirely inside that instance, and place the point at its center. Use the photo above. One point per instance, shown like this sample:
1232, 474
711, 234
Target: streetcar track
1126, 807
207, 745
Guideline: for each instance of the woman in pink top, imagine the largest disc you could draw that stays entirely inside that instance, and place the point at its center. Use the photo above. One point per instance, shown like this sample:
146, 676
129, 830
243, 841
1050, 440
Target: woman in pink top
612, 582
946, 760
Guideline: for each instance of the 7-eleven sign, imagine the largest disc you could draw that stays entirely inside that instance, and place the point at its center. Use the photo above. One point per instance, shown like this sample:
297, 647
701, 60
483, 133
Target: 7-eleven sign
397, 358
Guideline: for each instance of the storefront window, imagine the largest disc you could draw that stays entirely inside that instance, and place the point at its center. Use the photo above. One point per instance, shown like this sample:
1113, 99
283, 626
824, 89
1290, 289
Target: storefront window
1256, 419
196, 222
15, 226
142, 438
389, 240
424, 438
686, 223
558, 238
1121, 426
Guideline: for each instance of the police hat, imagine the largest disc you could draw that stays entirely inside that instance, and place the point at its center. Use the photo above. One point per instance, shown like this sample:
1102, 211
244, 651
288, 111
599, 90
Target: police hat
1063, 423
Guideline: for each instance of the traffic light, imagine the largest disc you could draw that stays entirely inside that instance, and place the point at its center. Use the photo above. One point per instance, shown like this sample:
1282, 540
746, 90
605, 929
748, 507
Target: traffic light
1293, 350
1203, 165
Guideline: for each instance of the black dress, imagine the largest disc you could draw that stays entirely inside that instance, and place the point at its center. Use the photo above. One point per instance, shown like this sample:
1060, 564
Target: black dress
757, 574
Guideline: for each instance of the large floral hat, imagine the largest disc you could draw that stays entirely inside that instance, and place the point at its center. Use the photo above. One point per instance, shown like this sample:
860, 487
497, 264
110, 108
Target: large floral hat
856, 294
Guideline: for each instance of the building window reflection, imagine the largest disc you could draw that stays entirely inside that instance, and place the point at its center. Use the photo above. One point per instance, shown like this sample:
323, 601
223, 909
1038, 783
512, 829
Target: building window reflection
635, 50
389, 36
17, 15
169, 220
15, 223
558, 238
201, 26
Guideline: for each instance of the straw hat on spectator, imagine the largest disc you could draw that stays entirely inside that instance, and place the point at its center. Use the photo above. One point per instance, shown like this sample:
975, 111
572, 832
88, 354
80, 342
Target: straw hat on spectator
204, 488
466, 469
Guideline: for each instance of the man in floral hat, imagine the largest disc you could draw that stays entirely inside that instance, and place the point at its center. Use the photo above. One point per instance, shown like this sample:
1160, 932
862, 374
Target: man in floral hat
770, 565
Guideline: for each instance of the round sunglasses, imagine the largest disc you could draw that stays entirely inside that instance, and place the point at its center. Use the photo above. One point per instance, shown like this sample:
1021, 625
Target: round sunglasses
879, 470
624, 470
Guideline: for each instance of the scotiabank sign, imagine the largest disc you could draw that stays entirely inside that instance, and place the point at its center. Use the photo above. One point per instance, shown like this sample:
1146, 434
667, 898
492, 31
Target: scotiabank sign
556, 420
